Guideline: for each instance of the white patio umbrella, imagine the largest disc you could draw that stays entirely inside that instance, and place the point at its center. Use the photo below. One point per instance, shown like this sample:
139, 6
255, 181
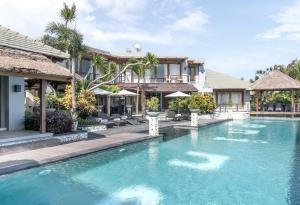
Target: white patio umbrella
177, 94
124, 93
98, 92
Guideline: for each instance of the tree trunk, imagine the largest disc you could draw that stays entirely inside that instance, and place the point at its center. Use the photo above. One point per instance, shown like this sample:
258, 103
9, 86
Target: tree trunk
73, 85
137, 97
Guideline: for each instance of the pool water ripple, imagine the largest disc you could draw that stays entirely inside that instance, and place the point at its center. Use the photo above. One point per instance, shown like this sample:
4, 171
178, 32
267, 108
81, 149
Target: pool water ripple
240, 162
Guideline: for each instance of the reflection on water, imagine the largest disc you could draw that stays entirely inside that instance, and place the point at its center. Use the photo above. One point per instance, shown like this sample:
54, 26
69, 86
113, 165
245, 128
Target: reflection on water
153, 153
294, 194
194, 138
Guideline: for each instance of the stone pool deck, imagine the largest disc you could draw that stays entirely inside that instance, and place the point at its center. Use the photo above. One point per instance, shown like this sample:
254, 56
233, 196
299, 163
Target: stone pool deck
111, 138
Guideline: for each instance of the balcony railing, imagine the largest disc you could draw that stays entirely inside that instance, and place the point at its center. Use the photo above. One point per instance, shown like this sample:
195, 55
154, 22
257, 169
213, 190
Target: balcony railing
226, 107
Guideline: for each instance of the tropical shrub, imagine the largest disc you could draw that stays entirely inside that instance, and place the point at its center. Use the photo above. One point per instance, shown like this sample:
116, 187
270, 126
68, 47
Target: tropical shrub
87, 122
67, 99
276, 97
56, 122
54, 100
153, 104
203, 102
85, 101
178, 105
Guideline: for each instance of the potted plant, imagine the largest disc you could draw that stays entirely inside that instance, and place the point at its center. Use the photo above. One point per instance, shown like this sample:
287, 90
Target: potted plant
194, 104
152, 105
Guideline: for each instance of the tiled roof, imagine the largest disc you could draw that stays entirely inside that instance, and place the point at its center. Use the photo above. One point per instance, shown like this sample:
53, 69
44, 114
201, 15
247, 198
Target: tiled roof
216, 80
161, 87
12, 39
26, 63
275, 80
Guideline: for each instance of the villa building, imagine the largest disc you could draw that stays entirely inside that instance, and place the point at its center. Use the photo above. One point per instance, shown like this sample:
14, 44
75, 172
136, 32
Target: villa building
173, 73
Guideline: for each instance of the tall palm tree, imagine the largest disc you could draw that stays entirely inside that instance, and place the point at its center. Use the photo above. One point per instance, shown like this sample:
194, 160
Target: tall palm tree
63, 37
149, 62
140, 71
68, 14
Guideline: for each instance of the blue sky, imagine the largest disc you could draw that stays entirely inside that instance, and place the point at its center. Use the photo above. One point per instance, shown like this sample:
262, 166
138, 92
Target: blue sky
235, 37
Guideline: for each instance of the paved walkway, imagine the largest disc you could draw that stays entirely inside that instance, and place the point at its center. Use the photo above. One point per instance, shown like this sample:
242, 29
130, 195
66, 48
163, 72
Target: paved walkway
32, 158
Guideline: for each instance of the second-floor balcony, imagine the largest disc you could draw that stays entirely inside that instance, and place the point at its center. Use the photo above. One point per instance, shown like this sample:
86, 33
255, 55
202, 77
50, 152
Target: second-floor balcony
148, 79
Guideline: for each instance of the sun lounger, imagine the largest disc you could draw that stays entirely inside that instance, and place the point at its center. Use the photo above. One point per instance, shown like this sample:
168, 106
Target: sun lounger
270, 108
109, 124
278, 107
133, 122
120, 122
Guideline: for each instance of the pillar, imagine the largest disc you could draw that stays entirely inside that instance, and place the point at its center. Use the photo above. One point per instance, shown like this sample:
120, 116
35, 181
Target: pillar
256, 101
108, 105
293, 107
194, 117
153, 125
43, 87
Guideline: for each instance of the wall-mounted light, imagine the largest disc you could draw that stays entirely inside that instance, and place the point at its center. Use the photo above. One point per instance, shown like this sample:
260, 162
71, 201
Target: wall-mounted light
17, 88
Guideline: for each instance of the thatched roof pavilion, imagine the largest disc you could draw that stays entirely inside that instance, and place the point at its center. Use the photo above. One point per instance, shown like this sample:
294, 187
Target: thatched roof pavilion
33, 65
275, 81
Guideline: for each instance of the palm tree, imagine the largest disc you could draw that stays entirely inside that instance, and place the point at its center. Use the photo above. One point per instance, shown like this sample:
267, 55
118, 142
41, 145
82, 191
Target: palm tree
140, 71
68, 14
61, 36
149, 63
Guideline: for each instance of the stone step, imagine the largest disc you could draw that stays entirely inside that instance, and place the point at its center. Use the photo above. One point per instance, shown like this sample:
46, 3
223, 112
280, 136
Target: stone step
25, 139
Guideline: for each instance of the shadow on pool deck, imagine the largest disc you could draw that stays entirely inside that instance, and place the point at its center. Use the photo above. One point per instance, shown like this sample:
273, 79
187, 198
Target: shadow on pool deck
294, 193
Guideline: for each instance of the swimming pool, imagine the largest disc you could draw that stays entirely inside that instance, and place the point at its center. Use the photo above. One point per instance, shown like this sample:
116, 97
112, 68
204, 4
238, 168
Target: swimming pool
253, 161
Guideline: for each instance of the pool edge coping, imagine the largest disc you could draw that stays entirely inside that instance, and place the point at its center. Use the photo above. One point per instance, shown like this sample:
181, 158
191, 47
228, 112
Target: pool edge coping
30, 163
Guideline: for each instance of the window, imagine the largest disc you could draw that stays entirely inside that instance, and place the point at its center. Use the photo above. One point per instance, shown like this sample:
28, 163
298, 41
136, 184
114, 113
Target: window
85, 66
236, 98
175, 69
160, 71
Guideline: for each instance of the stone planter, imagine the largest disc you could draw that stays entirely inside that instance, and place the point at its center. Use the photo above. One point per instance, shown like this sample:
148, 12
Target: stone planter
93, 128
153, 123
194, 117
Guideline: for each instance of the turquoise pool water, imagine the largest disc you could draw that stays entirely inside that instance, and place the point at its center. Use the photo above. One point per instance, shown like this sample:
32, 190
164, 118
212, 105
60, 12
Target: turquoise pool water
242, 162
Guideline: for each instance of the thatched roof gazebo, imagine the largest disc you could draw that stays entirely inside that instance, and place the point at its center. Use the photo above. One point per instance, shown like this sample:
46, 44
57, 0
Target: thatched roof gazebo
275, 81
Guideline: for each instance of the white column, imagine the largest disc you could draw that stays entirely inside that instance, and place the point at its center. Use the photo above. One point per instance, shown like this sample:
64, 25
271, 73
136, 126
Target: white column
153, 126
194, 119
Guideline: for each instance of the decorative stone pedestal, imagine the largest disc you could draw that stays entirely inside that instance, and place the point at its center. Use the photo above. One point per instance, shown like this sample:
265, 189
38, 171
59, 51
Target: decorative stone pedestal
194, 117
153, 123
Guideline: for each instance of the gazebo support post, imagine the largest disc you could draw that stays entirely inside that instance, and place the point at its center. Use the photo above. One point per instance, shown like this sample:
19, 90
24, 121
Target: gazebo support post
43, 87
256, 101
293, 101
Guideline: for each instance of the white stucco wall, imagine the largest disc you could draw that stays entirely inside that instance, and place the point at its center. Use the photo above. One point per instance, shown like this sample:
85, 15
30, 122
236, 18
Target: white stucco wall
14, 103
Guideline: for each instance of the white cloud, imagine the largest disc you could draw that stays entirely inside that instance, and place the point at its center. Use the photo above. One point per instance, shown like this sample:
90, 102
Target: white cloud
102, 22
193, 21
138, 36
122, 10
288, 20
31, 16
